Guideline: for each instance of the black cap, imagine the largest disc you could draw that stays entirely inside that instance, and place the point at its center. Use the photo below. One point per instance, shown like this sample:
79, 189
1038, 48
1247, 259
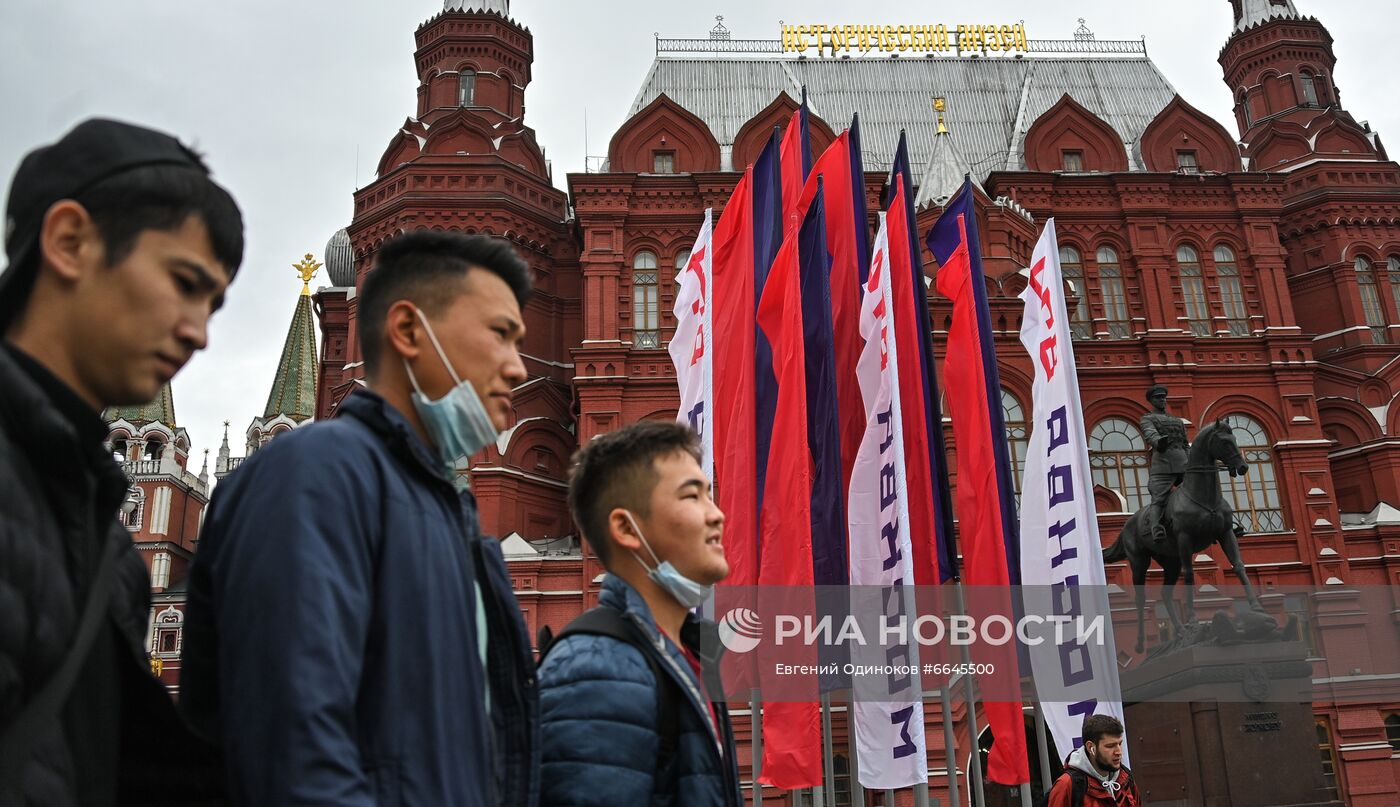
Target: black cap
93, 151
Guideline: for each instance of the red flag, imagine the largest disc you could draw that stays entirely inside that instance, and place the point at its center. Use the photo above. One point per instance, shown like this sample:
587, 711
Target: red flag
792, 743
834, 169
919, 472
733, 335
985, 502
793, 157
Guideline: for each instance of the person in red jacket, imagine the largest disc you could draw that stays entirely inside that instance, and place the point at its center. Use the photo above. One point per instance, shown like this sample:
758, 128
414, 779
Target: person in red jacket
1096, 770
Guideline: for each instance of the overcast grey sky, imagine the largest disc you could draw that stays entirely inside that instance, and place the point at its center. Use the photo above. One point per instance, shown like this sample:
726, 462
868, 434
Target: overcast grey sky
295, 101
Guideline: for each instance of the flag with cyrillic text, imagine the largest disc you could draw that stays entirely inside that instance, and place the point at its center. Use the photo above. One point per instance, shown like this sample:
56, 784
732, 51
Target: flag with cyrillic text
1060, 548
889, 733
690, 347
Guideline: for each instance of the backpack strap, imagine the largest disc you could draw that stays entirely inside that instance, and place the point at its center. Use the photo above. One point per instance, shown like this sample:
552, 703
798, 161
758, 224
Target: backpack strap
44, 707
610, 622
1079, 786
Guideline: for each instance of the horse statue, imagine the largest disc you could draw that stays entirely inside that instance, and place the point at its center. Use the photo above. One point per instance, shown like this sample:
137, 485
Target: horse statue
1196, 515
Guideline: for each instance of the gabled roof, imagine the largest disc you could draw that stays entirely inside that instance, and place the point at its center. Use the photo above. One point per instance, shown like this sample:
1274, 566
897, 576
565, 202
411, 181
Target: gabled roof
990, 102
161, 410
294, 389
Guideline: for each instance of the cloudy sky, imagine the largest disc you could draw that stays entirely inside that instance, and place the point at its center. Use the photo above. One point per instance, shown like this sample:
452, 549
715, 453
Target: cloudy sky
294, 102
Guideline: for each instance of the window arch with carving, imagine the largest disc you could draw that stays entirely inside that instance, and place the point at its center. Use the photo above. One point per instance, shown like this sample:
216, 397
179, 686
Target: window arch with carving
1115, 295
1254, 496
1081, 324
167, 633
1370, 299
1227, 271
1118, 460
1193, 289
646, 305
1018, 438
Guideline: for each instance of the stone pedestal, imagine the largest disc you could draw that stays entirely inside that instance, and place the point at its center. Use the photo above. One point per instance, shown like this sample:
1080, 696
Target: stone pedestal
1232, 726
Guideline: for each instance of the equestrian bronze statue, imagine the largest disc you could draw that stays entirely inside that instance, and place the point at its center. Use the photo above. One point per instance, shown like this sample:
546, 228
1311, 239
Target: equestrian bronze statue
1194, 515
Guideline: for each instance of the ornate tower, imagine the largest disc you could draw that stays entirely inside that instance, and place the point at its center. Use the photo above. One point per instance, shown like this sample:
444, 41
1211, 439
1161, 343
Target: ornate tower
165, 501
1279, 65
466, 161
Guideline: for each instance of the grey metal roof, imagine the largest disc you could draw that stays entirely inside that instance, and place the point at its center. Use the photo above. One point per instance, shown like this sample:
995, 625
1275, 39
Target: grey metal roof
1253, 12
991, 101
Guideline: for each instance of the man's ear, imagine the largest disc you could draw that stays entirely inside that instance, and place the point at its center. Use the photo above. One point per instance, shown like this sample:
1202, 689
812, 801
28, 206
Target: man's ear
622, 532
69, 241
401, 330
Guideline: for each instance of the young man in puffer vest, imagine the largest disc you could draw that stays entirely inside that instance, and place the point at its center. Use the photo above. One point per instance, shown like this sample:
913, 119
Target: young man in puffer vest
645, 508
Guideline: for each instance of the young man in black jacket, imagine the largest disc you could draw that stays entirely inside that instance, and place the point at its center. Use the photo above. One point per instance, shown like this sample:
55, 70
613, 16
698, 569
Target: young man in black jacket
120, 247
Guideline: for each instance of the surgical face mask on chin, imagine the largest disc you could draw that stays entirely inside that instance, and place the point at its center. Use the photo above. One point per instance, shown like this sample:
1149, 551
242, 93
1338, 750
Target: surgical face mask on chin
457, 423
687, 592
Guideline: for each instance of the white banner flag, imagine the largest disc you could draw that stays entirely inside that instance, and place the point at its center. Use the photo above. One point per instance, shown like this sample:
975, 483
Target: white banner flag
1059, 529
889, 733
690, 347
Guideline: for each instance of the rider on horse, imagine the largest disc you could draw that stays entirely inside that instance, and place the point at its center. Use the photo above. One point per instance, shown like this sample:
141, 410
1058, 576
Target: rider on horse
1166, 437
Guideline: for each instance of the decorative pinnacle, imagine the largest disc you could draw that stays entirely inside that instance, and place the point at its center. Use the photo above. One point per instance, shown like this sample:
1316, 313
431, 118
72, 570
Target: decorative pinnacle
939, 104
307, 269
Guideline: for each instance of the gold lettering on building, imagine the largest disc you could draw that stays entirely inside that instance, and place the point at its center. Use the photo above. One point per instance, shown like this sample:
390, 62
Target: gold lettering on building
968, 38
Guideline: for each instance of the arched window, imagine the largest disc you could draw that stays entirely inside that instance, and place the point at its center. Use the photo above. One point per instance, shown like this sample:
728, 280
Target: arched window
1118, 460
1309, 88
1254, 495
682, 258
1231, 295
1393, 271
153, 449
1370, 300
645, 304
1115, 298
1392, 730
466, 87
1193, 289
119, 449
1018, 438
1072, 269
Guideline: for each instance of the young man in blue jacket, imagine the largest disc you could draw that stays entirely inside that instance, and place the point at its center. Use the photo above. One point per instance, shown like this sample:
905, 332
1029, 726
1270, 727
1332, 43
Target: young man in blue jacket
644, 507
351, 637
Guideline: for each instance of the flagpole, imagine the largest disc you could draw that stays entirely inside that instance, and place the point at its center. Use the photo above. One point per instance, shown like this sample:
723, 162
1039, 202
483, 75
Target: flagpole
1045, 781
974, 772
828, 774
756, 742
852, 749
949, 747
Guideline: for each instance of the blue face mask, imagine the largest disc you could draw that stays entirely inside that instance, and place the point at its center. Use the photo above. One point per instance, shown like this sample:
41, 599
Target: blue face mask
687, 592
457, 423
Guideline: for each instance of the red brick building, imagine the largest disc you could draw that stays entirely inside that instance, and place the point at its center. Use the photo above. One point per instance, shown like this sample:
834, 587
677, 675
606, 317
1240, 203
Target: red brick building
1258, 276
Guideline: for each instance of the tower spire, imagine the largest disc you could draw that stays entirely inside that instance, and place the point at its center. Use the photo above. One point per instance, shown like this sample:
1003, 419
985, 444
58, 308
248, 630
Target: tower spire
221, 464
501, 7
294, 389
1249, 13
204, 470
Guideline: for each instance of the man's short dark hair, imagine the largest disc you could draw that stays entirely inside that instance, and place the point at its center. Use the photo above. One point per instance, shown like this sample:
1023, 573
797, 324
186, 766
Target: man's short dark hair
618, 469
1096, 727
163, 197
426, 267
150, 197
